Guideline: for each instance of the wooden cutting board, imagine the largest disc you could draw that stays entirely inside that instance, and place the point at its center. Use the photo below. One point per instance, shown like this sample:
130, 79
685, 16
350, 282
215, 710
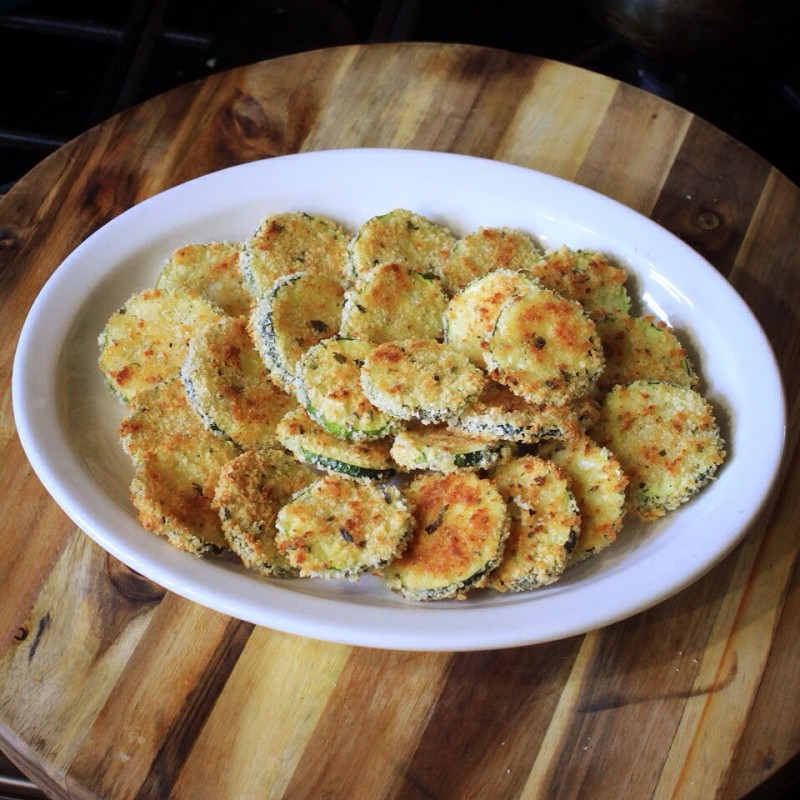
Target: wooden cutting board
111, 687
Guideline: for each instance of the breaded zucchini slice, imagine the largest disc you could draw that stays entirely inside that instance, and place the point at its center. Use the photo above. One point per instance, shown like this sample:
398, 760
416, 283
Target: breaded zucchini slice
339, 528
296, 313
545, 348
211, 270
251, 491
329, 386
311, 444
177, 463
227, 384
545, 523
642, 348
169, 507
598, 484
290, 242
586, 276
501, 414
145, 341
420, 379
667, 440
471, 315
460, 527
392, 302
486, 250
446, 450
404, 237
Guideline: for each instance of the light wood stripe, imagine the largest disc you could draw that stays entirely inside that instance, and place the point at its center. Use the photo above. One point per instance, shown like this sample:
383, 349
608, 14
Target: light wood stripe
371, 726
265, 714
141, 751
700, 756
629, 160
535, 138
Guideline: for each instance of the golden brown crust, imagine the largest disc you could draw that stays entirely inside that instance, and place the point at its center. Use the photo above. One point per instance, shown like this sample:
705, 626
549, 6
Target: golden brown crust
340, 528
177, 462
486, 250
404, 237
471, 315
292, 242
460, 527
252, 489
545, 348
545, 523
667, 440
598, 484
585, 276
420, 379
228, 385
642, 348
146, 341
211, 270
392, 302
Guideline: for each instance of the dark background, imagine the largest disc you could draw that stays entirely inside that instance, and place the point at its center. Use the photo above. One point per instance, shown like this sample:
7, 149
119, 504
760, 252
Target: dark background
69, 64
66, 65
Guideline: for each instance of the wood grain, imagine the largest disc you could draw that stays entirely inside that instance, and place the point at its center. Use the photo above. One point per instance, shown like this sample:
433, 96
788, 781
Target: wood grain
111, 687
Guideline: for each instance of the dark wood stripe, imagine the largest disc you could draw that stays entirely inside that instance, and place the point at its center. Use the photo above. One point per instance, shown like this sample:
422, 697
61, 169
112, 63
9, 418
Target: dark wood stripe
711, 193
767, 277
633, 149
483, 125
492, 715
367, 731
187, 725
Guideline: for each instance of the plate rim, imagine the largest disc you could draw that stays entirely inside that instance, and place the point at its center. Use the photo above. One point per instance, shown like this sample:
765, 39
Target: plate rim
326, 625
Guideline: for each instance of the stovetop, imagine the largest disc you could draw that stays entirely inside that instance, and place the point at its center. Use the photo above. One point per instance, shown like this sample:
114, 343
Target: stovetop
67, 66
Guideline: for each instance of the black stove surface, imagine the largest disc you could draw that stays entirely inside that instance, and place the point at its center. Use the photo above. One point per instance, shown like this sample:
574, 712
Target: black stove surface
67, 66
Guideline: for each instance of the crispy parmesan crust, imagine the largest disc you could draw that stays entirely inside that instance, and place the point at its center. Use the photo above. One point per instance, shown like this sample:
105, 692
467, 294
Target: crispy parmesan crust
292, 242
487, 250
545, 523
667, 440
472, 314
282, 390
403, 237
251, 491
585, 276
499, 413
312, 444
340, 528
299, 311
460, 527
392, 302
177, 462
329, 386
227, 384
420, 379
598, 484
211, 270
545, 348
642, 348
445, 450
145, 342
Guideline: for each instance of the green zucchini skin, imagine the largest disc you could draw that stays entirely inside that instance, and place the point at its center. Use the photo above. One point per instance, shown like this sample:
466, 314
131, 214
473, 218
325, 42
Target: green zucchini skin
351, 470
328, 384
313, 445
299, 311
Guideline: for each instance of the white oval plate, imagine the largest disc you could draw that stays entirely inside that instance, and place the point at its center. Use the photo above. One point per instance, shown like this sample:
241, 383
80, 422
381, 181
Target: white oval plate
67, 420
